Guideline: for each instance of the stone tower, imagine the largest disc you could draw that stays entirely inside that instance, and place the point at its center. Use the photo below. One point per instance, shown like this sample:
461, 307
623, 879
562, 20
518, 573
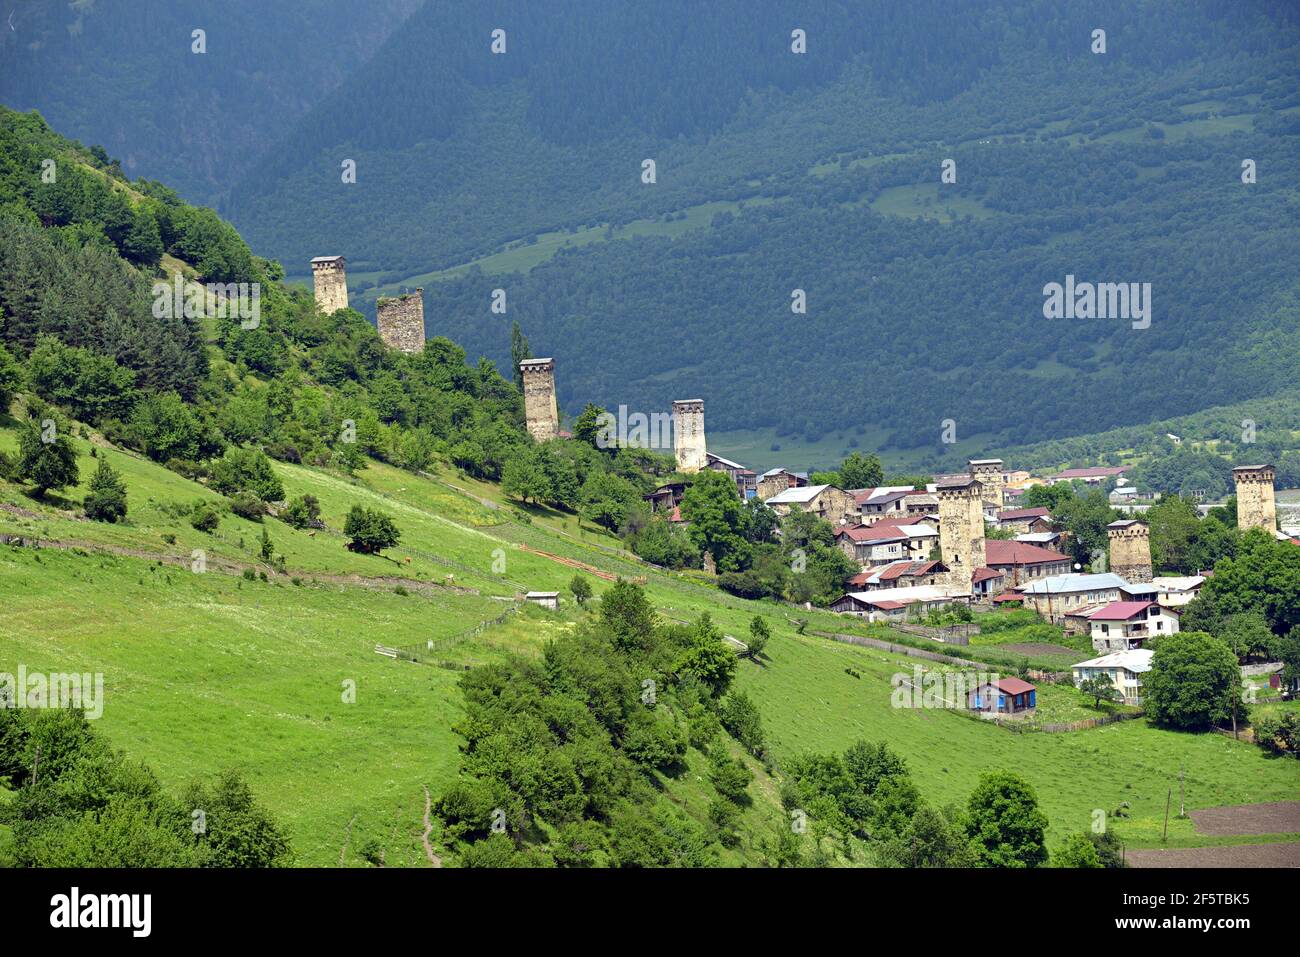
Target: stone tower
331, 283
688, 435
1130, 550
401, 321
961, 529
1255, 505
988, 472
539, 398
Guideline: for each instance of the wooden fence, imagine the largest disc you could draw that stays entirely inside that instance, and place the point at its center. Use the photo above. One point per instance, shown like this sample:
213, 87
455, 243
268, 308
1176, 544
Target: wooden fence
424, 652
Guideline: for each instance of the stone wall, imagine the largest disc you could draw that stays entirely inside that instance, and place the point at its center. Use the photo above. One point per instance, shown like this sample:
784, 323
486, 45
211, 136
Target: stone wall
401, 321
688, 435
540, 408
1256, 507
988, 472
330, 283
1130, 551
961, 530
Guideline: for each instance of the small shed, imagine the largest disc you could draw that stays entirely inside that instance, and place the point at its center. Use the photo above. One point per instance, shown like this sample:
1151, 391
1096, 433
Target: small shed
1004, 696
547, 599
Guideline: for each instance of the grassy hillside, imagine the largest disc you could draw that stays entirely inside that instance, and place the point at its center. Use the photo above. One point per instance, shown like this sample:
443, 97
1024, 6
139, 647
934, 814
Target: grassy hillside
206, 671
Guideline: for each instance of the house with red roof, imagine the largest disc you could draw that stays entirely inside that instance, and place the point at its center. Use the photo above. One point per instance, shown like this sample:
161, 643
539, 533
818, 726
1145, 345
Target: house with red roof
1093, 476
1003, 696
1125, 625
1022, 562
1025, 520
900, 575
871, 545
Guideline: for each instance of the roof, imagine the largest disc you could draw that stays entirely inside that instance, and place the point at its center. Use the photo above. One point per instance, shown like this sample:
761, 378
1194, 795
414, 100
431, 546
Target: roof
676, 514
1121, 610
1058, 584
778, 471
542, 594
895, 570
796, 496
1097, 471
1125, 523
727, 462
985, 462
1001, 552
1011, 514
1137, 660
1183, 583
1035, 538
535, 362
879, 498
1141, 588
910, 593
963, 481
1007, 596
325, 259
1012, 685
870, 533
984, 574
1250, 468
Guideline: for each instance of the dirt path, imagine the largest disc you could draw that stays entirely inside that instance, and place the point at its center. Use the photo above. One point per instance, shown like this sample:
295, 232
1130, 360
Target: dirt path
230, 566
434, 859
1273, 817
1238, 855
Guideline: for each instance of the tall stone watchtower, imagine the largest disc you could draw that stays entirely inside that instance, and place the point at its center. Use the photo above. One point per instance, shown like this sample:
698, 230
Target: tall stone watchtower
540, 409
1130, 550
330, 282
688, 435
961, 528
401, 321
988, 472
1256, 507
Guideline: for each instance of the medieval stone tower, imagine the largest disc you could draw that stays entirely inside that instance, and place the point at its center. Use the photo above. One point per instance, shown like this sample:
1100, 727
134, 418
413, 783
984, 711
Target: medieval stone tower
1255, 505
688, 435
330, 281
540, 409
401, 321
961, 529
988, 472
1130, 550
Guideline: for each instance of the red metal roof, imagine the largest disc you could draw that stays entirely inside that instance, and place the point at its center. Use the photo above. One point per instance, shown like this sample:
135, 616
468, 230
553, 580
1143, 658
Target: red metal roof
871, 533
1008, 596
1001, 552
1013, 685
1097, 471
984, 574
1121, 610
1011, 514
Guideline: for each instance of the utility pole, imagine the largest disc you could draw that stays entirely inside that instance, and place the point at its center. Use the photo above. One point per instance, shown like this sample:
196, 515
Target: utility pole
1182, 806
1168, 797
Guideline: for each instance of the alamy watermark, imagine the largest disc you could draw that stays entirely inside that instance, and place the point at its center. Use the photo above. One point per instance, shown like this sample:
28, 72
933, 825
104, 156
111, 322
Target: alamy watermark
1101, 300
53, 690
236, 300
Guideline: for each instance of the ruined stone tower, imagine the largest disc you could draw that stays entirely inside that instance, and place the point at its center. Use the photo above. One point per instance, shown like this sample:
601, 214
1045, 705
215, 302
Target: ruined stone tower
1255, 505
330, 281
688, 435
1130, 550
988, 472
540, 408
401, 321
961, 529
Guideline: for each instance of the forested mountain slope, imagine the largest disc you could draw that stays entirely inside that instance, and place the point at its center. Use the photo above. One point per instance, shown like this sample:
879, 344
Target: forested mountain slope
124, 74
821, 172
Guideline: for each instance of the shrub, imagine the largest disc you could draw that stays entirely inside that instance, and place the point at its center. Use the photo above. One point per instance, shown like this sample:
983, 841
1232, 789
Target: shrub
204, 517
247, 505
106, 501
246, 470
302, 512
370, 531
250, 575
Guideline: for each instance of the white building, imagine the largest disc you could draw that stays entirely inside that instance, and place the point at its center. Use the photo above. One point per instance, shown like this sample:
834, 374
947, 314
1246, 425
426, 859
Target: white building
1124, 669
1124, 625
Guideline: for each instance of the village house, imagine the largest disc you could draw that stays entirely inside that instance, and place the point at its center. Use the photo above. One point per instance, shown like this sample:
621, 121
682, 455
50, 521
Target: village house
875, 504
898, 604
1124, 669
987, 582
920, 503
1055, 597
1021, 562
1052, 540
666, 497
872, 545
547, 599
1012, 696
902, 574
1093, 476
775, 481
1124, 625
1025, 520
746, 481
825, 501
1173, 592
